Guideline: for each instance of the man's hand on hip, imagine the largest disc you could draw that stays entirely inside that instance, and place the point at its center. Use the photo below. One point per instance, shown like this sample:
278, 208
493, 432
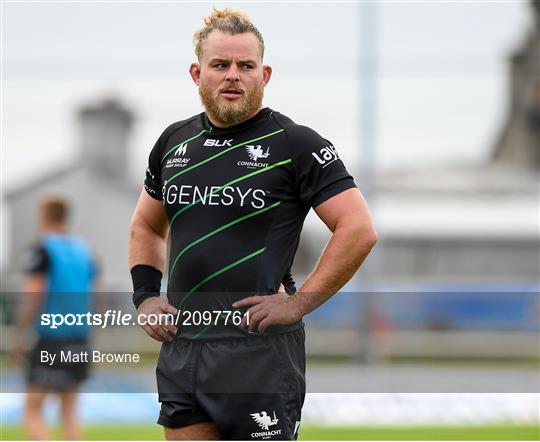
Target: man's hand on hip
267, 310
157, 308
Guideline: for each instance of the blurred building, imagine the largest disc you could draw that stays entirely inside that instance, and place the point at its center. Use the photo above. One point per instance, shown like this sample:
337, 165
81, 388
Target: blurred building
449, 238
470, 224
99, 190
519, 140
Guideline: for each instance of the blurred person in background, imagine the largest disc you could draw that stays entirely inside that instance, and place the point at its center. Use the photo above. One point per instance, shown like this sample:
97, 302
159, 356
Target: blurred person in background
233, 186
61, 273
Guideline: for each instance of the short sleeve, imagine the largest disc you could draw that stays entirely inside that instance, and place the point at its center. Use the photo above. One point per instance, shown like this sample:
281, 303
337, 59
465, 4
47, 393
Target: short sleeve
319, 173
152, 182
36, 260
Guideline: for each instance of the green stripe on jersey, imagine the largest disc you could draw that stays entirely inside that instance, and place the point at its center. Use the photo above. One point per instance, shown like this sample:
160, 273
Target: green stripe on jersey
219, 272
220, 229
223, 152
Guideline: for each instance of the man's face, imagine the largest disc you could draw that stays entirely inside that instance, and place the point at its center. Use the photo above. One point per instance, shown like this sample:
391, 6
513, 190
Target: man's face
231, 77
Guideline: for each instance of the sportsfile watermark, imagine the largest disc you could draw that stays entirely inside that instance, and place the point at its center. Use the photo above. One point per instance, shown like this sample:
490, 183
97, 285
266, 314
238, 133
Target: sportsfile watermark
112, 318
356, 342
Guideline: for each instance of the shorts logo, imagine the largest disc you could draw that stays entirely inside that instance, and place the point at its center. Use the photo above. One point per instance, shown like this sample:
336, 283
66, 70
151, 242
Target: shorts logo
216, 143
327, 155
255, 152
178, 162
265, 422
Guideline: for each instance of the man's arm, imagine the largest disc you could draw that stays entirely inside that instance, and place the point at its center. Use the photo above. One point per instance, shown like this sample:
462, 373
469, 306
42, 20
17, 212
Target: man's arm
353, 237
148, 233
147, 246
33, 291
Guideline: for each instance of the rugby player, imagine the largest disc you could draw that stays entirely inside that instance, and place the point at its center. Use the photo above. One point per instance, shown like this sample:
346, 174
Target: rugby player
230, 189
61, 274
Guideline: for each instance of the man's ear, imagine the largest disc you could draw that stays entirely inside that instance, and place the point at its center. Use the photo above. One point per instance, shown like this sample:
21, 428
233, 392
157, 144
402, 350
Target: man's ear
195, 72
267, 73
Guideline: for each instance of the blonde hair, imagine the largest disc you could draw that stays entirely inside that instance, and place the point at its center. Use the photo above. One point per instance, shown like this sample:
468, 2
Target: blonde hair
228, 21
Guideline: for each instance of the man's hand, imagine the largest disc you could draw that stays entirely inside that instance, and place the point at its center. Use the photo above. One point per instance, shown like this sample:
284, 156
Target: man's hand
158, 307
264, 311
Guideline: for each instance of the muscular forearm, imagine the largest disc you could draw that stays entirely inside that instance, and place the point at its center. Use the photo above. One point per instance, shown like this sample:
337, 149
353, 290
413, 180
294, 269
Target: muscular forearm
146, 247
343, 255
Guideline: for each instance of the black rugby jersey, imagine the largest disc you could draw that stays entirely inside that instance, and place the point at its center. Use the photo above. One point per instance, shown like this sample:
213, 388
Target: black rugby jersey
236, 200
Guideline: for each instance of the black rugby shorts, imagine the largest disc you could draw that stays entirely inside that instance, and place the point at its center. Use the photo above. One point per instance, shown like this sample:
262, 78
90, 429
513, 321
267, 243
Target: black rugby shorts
60, 375
252, 388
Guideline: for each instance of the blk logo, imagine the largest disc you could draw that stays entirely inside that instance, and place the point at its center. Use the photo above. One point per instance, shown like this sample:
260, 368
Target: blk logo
326, 155
218, 143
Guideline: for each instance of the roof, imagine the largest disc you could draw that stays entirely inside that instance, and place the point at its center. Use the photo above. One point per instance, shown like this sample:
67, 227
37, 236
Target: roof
25, 187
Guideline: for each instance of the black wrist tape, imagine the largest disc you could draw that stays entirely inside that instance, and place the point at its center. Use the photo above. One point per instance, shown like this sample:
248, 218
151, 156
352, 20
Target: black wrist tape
146, 283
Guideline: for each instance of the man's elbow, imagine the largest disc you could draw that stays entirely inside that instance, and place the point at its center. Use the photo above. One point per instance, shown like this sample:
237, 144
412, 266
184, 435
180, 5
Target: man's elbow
368, 239
365, 238
138, 228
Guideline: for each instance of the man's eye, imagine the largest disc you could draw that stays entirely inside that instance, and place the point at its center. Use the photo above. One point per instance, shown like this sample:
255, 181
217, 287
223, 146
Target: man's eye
220, 66
247, 67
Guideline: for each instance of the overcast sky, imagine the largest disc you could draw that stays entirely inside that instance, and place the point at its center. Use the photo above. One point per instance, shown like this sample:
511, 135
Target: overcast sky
442, 83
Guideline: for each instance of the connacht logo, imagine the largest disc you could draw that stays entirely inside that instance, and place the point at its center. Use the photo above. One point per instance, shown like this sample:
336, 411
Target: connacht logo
264, 420
181, 150
256, 152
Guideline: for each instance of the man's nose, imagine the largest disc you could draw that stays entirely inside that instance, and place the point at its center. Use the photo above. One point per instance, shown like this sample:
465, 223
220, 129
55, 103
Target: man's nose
233, 74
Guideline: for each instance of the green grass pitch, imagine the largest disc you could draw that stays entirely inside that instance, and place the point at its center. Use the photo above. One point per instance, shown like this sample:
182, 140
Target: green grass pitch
154, 432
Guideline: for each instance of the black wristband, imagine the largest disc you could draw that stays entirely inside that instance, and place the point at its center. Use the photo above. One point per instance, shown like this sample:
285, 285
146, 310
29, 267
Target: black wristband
146, 283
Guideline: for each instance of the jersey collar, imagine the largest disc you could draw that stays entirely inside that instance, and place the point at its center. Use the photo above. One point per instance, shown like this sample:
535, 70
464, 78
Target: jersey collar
261, 115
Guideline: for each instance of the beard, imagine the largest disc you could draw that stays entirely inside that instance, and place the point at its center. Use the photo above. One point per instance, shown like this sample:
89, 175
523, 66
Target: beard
235, 112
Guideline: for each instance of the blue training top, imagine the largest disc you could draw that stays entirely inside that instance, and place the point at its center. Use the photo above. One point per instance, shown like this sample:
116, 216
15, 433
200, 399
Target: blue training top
70, 269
